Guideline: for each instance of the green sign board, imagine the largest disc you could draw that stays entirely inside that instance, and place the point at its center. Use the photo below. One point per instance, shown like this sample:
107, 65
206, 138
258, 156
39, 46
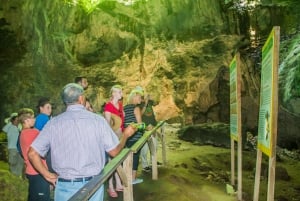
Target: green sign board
268, 77
233, 100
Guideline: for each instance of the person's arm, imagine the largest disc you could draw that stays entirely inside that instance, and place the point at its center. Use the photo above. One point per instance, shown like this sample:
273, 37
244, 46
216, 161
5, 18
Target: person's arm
138, 114
107, 116
128, 131
143, 109
37, 163
5, 128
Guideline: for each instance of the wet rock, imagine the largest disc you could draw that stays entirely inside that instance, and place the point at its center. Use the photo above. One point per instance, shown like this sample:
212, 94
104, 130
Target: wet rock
216, 134
281, 198
282, 174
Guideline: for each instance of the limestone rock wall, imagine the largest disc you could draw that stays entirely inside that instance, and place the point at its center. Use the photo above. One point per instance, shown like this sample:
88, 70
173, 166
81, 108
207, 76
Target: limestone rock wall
179, 51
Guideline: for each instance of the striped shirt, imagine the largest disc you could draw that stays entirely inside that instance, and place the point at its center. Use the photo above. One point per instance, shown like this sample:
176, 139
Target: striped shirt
130, 118
78, 140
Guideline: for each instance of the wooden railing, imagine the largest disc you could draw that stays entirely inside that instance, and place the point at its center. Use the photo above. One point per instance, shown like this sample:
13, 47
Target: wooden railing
125, 157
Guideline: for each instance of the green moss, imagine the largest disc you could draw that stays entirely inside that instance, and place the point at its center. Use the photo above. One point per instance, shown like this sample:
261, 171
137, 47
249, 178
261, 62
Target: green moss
87, 5
215, 47
161, 72
11, 50
295, 85
3, 137
178, 65
289, 77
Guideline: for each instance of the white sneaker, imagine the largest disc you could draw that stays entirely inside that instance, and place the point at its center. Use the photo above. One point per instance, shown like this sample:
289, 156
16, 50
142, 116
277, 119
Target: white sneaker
137, 181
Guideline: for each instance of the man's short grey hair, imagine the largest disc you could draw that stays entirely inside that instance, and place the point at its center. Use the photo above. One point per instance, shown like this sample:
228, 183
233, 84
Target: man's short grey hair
71, 93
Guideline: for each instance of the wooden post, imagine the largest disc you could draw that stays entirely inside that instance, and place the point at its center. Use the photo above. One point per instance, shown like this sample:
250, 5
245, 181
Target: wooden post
122, 175
271, 180
257, 175
232, 163
128, 189
163, 143
239, 191
153, 158
239, 128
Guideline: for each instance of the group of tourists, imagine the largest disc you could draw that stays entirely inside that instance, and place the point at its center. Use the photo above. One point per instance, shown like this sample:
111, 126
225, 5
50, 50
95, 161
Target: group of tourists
66, 151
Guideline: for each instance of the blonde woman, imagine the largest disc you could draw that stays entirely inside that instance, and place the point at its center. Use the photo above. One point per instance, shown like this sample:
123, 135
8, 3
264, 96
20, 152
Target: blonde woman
133, 115
114, 115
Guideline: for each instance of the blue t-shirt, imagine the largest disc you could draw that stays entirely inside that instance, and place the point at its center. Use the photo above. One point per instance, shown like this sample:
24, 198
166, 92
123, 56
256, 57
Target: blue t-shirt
40, 121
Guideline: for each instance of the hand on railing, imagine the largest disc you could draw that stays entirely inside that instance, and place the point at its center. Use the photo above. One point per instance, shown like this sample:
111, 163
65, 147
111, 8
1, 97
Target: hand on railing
129, 131
138, 126
149, 127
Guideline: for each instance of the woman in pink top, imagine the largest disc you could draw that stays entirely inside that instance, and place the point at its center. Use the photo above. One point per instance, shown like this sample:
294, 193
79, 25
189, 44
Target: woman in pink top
39, 188
114, 115
115, 107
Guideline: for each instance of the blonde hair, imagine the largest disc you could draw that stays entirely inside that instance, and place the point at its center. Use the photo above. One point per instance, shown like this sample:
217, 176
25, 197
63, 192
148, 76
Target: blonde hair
25, 113
117, 86
132, 94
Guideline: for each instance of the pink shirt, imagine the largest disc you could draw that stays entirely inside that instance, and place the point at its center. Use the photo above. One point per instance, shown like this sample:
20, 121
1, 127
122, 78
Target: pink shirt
26, 138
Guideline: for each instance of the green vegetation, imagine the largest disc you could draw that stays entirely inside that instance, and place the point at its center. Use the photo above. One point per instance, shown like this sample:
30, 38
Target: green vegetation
178, 65
12, 188
87, 5
289, 79
295, 90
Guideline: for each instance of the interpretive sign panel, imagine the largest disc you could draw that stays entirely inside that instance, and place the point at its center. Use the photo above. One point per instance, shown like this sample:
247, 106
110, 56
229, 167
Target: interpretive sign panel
235, 121
268, 112
267, 99
234, 99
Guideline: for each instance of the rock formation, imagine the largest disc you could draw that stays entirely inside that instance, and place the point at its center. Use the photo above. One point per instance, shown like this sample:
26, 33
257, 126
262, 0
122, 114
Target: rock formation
179, 51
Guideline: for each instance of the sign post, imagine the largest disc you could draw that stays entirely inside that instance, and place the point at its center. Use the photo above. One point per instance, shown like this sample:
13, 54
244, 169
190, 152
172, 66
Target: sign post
268, 112
235, 121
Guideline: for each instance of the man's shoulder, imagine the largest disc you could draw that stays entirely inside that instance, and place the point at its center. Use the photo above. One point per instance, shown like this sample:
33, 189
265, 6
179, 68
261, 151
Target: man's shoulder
99, 117
81, 114
9, 128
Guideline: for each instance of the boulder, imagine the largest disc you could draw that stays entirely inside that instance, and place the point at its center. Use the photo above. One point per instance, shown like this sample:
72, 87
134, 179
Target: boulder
216, 134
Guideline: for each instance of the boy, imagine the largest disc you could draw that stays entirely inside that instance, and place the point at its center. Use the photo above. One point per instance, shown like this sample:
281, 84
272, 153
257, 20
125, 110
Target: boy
14, 158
